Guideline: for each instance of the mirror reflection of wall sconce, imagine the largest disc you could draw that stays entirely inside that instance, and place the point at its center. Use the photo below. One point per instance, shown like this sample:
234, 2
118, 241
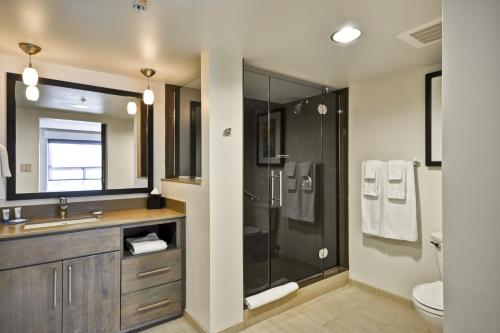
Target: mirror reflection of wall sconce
30, 74
148, 95
433, 119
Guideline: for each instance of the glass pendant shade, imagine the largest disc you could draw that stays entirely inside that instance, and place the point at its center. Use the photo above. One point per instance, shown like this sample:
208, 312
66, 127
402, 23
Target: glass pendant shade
30, 76
131, 108
148, 97
32, 93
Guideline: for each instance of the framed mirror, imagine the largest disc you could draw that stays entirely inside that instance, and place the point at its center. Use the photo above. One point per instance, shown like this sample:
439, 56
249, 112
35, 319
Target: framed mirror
77, 140
433, 119
183, 132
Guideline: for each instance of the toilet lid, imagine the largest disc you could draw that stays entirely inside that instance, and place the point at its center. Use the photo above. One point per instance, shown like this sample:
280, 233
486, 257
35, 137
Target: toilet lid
430, 295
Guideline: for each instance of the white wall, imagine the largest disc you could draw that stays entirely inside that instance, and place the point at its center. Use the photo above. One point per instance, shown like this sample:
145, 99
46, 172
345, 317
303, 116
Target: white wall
215, 208
15, 64
387, 121
225, 95
471, 181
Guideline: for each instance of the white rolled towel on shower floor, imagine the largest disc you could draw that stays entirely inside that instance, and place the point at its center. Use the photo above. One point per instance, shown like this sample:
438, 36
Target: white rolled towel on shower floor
270, 295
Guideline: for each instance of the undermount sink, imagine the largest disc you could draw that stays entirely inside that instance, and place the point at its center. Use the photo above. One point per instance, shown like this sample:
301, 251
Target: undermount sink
61, 222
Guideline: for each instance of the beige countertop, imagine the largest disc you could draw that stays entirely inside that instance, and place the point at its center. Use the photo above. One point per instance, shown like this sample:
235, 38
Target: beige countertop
109, 219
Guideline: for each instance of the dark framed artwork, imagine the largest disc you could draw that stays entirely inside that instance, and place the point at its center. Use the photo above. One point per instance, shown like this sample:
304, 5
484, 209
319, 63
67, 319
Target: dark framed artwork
433, 119
271, 137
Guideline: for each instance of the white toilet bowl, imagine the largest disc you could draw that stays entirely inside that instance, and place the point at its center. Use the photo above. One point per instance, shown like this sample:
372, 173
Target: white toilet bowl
428, 302
428, 297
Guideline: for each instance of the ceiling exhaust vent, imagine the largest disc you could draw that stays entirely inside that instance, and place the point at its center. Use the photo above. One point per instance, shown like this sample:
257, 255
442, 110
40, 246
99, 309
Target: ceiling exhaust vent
426, 34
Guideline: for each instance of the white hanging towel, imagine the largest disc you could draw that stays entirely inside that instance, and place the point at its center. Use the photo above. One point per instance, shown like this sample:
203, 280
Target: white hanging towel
396, 186
400, 216
370, 178
371, 202
270, 295
4, 170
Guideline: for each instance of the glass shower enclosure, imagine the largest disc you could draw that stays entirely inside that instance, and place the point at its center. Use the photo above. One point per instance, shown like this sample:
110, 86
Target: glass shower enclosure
291, 175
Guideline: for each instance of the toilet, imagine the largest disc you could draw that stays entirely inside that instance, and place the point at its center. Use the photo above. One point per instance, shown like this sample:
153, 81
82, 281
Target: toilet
428, 297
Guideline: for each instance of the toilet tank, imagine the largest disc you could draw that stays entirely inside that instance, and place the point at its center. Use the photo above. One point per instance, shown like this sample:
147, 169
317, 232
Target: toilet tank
437, 240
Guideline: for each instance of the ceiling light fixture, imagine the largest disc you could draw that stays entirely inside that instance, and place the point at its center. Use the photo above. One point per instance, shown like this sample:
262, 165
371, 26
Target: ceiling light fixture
81, 105
148, 95
30, 75
32, 93
131, 107
346, 35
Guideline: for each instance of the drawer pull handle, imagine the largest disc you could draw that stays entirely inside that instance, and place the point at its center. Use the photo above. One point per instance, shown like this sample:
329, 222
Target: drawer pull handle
153, 272
153, 306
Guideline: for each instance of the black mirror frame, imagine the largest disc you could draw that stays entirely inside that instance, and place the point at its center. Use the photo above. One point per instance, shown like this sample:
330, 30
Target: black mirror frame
12, 78
428, 119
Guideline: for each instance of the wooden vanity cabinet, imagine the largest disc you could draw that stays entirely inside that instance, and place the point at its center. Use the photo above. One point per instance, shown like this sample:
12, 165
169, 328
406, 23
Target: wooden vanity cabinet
91, 294
30, 299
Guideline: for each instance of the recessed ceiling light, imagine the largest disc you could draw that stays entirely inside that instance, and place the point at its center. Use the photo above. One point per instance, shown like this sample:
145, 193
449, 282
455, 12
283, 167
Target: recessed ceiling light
345, 35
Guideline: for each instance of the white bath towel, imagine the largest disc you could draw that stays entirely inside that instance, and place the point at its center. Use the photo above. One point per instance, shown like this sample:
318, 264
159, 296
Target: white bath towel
148, 246
400, 216
270, 295
371, 205
370, 178
389, 218
396, 187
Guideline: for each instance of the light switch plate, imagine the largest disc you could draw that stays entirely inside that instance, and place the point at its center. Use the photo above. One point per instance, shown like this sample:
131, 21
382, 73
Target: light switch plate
25, 167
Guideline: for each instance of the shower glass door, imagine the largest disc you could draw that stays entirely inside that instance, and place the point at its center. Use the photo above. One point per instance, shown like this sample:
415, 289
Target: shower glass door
290, 182
295, 226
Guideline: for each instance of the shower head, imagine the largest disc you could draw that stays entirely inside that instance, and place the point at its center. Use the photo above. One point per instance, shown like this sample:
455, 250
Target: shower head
297, 109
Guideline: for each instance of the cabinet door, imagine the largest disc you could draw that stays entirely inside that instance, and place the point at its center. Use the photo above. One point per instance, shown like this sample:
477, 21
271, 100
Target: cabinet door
30, 299
92, 294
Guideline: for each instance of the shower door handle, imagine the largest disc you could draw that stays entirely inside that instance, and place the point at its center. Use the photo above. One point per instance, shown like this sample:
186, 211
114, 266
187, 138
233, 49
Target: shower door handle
280, 178
281, 188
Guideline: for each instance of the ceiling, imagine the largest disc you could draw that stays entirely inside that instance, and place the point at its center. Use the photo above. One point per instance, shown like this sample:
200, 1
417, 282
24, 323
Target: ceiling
63, 99
284, 36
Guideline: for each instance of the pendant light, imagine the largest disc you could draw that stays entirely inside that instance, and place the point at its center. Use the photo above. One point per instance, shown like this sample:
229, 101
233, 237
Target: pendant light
131, 107
30, 74
32, 93
148, 95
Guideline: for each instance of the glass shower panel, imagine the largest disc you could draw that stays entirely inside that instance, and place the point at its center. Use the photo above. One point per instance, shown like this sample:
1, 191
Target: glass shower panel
256, 264
296, 217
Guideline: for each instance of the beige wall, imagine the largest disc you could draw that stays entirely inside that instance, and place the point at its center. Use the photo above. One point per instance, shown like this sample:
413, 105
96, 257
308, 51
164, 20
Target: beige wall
15, 64
386, 121
471, 156
215, 208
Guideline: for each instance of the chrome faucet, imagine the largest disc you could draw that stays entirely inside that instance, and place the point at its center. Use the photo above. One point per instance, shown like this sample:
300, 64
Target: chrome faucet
63, 207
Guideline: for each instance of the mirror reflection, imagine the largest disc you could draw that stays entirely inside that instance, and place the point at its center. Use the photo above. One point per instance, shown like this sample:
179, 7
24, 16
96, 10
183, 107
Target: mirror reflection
190, 131
79, 140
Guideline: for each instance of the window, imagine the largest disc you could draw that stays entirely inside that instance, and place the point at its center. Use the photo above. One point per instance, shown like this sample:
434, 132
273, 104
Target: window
74, 165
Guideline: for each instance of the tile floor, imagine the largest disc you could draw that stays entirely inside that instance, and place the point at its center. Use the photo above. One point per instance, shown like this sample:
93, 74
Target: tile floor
346, 310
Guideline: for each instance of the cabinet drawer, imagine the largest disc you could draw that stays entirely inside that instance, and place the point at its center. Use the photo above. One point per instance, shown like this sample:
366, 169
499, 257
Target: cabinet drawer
150, 304
151, 270
35, 250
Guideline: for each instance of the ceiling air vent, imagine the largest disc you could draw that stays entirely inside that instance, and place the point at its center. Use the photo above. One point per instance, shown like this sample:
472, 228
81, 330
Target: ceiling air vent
426, 34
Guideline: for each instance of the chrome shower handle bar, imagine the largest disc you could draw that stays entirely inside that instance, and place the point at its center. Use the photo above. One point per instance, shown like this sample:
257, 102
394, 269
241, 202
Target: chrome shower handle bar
285, 156
280, 177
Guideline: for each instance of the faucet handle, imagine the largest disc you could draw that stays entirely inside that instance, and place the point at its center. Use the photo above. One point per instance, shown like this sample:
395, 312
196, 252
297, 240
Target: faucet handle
63, 200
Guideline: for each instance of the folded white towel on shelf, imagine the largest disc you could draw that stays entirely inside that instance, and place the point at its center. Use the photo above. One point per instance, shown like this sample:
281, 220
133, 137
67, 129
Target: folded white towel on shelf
396, 187
149, 243
148, 246
270, 295
370, 178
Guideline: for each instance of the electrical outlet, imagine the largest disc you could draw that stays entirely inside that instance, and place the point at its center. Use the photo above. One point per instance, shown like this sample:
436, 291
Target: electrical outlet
25, 167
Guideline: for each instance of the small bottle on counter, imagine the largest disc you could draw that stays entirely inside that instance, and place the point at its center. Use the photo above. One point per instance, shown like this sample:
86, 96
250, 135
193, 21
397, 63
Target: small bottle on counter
6, 215
17, 213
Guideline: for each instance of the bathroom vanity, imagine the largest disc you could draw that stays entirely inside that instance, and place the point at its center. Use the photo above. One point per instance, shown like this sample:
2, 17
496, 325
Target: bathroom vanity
82, 278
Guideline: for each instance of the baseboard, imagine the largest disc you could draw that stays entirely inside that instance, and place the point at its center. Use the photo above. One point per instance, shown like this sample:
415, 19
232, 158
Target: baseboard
201, 329
382, 293
197, 326
302, 295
